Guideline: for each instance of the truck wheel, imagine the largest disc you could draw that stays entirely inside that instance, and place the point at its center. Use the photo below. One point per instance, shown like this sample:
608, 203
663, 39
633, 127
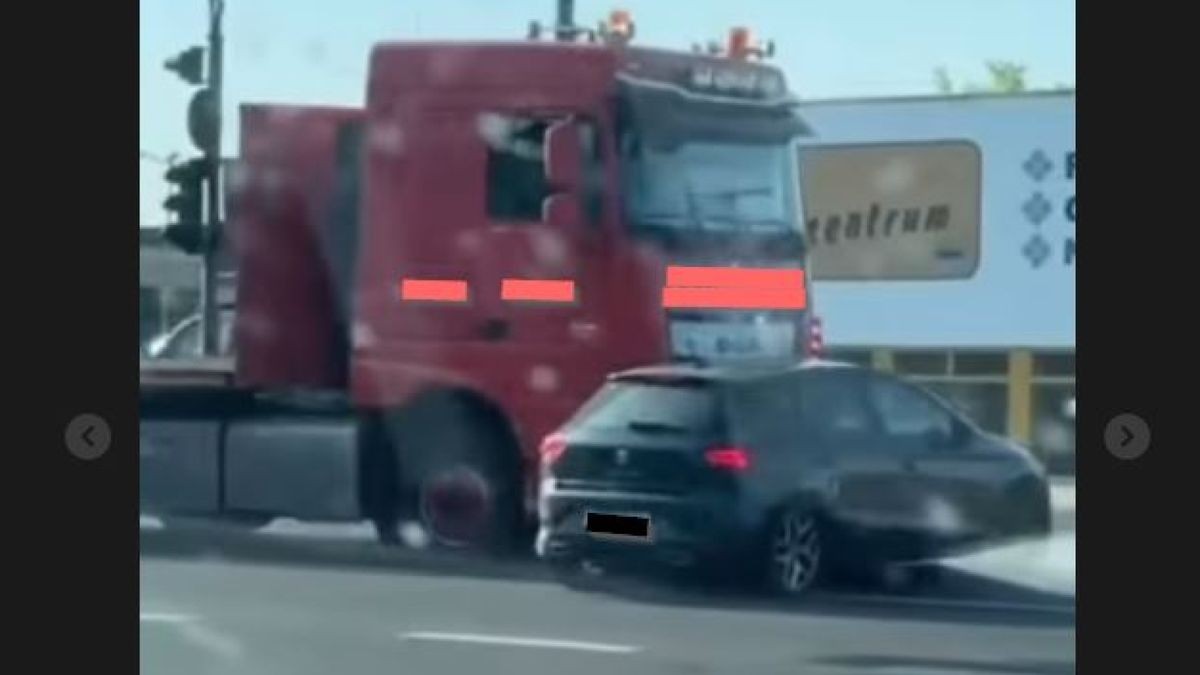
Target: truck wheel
456, 479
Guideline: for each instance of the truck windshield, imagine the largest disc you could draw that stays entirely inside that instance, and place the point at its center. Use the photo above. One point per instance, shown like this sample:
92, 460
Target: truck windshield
708, 185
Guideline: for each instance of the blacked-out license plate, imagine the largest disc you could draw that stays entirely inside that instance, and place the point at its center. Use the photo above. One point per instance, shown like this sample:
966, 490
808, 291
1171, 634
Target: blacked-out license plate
633, 527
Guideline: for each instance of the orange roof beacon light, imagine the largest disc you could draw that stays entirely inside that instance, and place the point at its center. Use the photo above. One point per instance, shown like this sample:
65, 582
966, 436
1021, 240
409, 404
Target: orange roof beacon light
739, 43
741, 48
619, 28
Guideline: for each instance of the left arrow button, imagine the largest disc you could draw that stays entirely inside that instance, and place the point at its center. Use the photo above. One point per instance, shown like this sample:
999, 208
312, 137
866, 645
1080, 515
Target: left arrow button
87, 436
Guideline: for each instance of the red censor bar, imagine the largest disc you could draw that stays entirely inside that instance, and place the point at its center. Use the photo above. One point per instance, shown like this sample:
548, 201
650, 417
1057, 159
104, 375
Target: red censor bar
734, 288
537, 291
433, 290
734, 277
733, 298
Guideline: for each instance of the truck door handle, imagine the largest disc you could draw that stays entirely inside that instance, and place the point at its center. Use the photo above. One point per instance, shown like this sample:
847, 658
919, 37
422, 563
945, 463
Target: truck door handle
494, 329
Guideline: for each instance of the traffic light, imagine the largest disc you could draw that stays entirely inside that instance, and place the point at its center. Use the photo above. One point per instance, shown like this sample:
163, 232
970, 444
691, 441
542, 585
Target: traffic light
202, 122
186, 203
188, 65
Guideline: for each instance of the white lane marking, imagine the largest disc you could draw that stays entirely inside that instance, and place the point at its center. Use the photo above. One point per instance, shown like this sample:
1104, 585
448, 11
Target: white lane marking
212, 640
515, 641
951, 603
149, 523
164, 617
193, 630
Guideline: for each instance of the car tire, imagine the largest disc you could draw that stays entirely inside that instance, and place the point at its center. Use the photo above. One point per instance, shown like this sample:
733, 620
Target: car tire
794, 552
1030, 501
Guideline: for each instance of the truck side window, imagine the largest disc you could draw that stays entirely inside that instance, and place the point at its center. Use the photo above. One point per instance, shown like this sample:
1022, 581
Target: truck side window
516, 179
516, 176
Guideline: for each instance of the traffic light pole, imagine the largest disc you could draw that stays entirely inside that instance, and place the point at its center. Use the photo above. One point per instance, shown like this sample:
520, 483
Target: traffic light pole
565, 20
210, 316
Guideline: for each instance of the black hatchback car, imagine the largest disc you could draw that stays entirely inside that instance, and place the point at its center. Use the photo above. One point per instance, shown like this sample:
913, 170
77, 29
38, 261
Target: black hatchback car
780, 475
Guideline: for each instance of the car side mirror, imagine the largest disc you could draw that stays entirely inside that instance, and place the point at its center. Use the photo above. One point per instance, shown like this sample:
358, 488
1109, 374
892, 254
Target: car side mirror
563, 158
562, 211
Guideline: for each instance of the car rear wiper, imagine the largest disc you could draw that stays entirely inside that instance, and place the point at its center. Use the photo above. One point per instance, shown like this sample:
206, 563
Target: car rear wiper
648, 426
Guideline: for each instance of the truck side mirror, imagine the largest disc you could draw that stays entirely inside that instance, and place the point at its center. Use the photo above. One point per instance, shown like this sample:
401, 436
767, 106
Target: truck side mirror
564, 157
562, 211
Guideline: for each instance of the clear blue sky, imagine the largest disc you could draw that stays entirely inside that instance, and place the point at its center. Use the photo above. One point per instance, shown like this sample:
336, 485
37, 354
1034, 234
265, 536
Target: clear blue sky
315, 51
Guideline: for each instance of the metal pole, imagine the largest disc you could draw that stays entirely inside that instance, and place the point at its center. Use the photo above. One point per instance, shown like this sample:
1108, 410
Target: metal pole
564, 23
209, 316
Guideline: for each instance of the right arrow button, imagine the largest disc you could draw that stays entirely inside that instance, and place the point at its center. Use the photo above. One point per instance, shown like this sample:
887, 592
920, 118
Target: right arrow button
1127, 436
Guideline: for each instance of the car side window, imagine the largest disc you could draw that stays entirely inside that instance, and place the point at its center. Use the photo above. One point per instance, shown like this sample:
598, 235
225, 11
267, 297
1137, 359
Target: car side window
905, 411
836, 407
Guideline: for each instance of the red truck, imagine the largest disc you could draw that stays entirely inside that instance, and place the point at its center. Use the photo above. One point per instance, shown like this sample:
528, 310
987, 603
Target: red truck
429, 284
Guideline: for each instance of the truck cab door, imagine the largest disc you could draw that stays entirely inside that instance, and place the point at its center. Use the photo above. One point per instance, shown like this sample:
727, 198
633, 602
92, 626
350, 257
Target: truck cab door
543, 229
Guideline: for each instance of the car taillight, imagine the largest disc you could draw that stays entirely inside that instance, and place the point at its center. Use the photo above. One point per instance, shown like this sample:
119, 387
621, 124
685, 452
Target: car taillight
553, 447
728, 458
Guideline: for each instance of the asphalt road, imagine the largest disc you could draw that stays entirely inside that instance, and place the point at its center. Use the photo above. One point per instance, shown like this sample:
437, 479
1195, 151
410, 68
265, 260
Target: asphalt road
235, 603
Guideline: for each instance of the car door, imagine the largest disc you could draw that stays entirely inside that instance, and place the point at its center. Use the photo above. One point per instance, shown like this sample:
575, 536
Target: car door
870, 493
946, 471
764, 416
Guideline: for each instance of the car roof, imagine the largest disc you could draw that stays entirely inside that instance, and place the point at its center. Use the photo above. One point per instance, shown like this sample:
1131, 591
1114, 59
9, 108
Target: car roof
723, 373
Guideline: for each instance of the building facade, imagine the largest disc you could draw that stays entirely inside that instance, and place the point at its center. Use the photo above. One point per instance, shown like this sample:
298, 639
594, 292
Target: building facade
168, 285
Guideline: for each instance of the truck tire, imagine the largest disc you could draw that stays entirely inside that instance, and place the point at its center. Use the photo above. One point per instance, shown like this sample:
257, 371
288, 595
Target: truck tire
457, 480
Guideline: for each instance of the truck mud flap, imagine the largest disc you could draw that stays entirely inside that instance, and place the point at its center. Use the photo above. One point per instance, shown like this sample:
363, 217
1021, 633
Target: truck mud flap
179, 466
301, 467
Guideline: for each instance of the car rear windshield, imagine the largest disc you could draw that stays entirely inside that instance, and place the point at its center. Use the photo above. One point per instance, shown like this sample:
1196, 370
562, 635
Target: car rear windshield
762, 404
691, 406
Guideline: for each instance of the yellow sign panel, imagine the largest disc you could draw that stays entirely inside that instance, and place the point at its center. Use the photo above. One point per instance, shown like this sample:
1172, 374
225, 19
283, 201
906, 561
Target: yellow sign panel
895, 211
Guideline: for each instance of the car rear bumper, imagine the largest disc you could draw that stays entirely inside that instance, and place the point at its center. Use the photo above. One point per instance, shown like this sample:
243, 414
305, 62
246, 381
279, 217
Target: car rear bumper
683, 530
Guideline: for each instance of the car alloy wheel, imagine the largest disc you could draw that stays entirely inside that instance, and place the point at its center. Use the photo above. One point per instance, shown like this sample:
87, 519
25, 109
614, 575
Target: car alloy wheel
795, 552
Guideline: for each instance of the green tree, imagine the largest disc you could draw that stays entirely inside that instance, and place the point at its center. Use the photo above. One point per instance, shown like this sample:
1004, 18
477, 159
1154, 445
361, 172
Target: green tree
1004, 77
941, 78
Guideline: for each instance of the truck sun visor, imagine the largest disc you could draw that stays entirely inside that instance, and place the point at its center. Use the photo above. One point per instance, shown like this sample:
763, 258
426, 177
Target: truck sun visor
667, 113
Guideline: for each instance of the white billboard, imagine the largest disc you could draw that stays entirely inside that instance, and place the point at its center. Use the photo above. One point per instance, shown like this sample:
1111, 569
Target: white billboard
1022, 290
